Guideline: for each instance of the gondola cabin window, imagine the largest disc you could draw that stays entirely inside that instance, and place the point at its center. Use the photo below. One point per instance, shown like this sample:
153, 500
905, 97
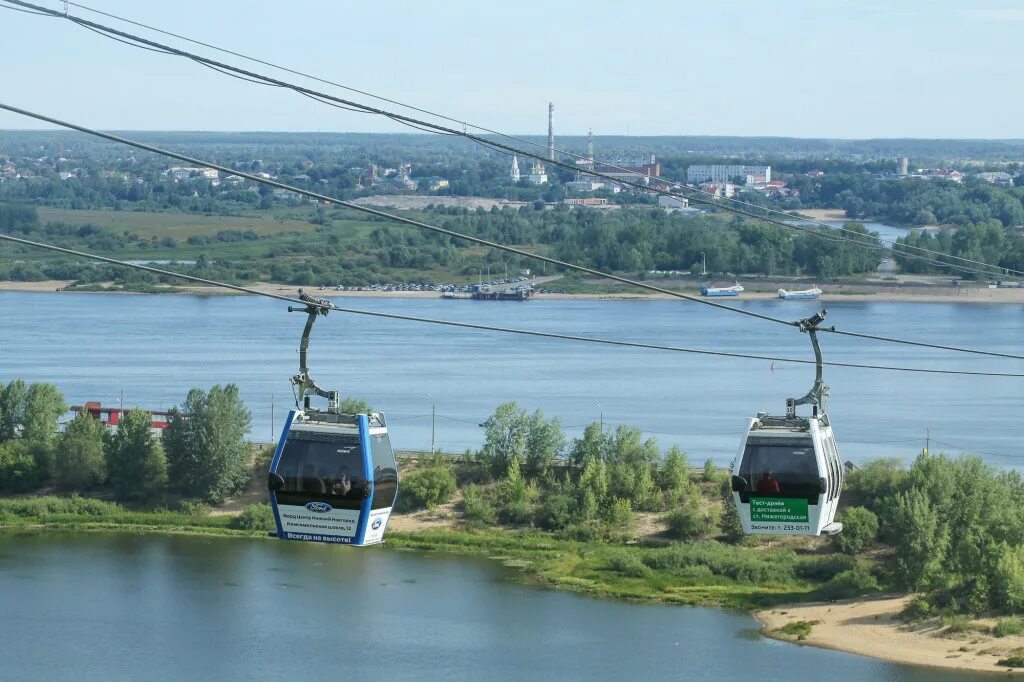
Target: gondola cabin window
385, 474
780, 470
326, 467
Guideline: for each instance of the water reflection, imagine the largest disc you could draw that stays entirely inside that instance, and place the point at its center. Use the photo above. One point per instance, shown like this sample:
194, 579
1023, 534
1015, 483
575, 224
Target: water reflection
118, 606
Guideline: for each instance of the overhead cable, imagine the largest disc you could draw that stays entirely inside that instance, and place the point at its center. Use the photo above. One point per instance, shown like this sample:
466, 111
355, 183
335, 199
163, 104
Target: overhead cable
251, 76
478, 240
397, 218
479, 327
842, 230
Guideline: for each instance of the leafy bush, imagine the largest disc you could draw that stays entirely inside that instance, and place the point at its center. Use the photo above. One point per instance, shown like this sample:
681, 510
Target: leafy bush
476, 507
556, 511
824, 567
427, 486
860, 530
41, 507
710, 472
687, 523
959, 624
629, 565
619, 512
918, 608
256, 517
727, 561
580, 532
20, 470
193, 508
1011, 662
851, 583
1011, 625
797, 628
517, 512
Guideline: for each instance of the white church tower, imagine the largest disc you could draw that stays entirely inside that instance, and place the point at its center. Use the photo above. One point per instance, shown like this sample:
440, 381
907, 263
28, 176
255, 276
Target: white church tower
514, 174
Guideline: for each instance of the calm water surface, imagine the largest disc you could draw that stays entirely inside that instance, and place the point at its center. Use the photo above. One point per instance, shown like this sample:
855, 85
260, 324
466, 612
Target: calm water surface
123, 607
156, 347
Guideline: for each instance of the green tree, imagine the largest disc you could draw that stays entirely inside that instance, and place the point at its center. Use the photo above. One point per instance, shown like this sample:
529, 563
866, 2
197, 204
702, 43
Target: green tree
136, 467
675, 477
860, 530
515, 496
19, 470
591, 490
44, 405
592, 445
352, 405
1010, 579
505, 437
921, 540
80, 462
207, 453
13, 400
545, 441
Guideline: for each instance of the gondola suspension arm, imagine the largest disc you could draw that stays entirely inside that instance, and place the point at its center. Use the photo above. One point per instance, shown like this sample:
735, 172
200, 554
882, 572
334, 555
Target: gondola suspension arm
819, 391
304, 385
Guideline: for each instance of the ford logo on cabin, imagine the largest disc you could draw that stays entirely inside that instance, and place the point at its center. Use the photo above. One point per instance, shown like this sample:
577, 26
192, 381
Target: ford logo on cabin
318, 507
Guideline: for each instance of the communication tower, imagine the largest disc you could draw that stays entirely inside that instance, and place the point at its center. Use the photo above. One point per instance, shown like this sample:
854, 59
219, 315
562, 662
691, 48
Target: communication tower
551, 131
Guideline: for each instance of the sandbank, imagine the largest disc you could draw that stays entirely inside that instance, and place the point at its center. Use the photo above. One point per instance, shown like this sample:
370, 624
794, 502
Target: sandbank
870, 627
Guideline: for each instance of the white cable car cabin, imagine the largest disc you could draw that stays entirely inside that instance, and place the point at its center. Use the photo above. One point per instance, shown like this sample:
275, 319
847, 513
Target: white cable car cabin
333, 477
788, 475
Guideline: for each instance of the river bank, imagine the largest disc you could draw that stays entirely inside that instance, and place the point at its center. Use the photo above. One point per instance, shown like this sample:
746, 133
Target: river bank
872, 627
838, 215
846, 292
863, 626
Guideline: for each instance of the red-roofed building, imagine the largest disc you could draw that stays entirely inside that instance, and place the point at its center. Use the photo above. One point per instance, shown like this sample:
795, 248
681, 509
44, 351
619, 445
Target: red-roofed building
111, 416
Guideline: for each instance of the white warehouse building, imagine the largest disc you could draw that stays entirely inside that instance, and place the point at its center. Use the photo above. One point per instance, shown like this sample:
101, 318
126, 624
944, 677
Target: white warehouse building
723, 173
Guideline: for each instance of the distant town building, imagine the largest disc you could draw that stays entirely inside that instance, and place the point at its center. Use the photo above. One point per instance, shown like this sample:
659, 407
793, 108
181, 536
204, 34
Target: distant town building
902, 167
514, 173
586, 201
635, 171
538, 175
997, 178
673, 203
404, 182
434, 184
111, 416
181, 174
725, 173
950, 174
718, 189
584, 185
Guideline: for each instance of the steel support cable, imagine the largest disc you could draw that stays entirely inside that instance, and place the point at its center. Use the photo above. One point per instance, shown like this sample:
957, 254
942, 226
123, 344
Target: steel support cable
507, 136
483, 327
433, 127
396, 218
501, 247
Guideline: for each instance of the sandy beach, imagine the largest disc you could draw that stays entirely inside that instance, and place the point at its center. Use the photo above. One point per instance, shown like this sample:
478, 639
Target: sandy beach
858, 293
870, 627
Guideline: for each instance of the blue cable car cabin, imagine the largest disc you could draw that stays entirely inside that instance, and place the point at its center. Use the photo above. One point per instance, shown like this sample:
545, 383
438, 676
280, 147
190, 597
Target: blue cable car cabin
333, 478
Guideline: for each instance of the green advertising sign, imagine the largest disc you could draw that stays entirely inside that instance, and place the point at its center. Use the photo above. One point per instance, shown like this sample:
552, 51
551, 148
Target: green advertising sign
778, 510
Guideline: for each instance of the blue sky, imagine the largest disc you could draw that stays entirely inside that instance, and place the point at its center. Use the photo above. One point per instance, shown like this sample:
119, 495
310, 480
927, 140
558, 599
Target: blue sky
855, 69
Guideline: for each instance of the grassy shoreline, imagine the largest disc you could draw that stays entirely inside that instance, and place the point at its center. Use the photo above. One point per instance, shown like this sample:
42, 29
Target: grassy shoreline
596, 569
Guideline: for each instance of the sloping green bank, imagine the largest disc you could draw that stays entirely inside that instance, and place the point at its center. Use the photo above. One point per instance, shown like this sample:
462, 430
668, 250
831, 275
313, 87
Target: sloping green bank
701, 573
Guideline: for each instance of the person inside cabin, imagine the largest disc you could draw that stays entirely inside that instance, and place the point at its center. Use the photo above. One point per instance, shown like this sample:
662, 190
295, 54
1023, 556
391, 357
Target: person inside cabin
342, 484
767, 484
